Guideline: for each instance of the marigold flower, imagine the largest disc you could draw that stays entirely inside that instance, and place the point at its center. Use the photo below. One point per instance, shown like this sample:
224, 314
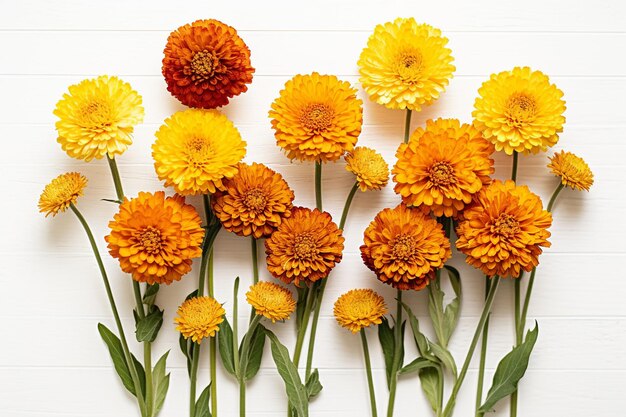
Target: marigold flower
305, 247
196, 150
199, 318
316, 118
271, 301
520, 111
155, 237
443, 166
254, 201
97, 118
405, 65
358, 309
370, 168
404, 246
572, 169
503, 231
61, 192
206, 63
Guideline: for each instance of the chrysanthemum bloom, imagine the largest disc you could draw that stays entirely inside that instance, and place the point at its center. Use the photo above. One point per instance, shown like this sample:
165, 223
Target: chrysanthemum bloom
61, 192
305, 247
503, 232
573, 170
155, 237
357, 309
254, 201
271, 301
405, 65
196, 150
520, 111
206, 63
370, 168
442, 167
404, 246
317, 118
97, 118
199, 318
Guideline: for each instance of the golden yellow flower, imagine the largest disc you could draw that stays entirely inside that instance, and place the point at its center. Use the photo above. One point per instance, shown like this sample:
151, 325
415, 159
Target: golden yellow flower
196, 150
271, 301
442, 167
305, 247
97, 118
404, 246
199, 318
61, 192
357, 309
254, 201
370, 168
520, 111
503, 231
316, 117
405, 65
573, 170
155, 237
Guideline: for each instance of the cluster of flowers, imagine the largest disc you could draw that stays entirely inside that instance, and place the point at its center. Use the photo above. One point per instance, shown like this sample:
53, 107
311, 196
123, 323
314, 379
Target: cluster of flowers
443, 174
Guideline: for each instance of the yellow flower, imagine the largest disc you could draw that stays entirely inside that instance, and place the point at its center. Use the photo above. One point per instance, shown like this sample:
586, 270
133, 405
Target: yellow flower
404, 247
405, 65
97, 118
155, 237
443, 167
316, 118
357, 309
573, 170
254, 201
503, 231
271, 301
370, 168
61, 192
520, 111
196, 150
199, 318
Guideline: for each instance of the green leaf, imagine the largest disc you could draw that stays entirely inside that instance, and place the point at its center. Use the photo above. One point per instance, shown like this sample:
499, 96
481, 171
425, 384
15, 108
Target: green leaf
150, 295
160, 383
510, 370
117, 355
141, 374
148, 327
255, 352
416, 365
445, 357
313, 385
444, 318
423, 345
202, 405
453, 309
296, 391
385, 336
225, 343
431, 381
301, 304
435, 309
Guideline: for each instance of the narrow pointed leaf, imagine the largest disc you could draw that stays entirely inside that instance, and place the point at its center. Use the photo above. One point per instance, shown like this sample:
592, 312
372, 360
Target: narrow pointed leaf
225, 343
160, 382
423, 345
430, 379
150, 295
117, 355
202, 405
445, 357
255, 352
416, 365
148, 327
385, 336
313, 385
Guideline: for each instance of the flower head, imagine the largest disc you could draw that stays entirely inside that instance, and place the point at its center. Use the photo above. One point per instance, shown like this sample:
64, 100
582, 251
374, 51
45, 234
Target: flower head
199, 318
443, 166
196, 150
254, 201
573, 170
404, 246
405, 65
358, 309
61, 192
503, 231
520, 111
97, 118
305, 247
206, 63
155, 237
271, 301
316, 118
370, 168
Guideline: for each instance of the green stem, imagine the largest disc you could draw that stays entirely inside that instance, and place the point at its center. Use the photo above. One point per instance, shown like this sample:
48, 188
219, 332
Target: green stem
242, 399
245, 347
346, 206
555, 194
368, 370
212, 344
117, 181
318, 185
310, 295
395, 367
255, 260
236, 327
407, 125
193, 379
514, 168
483, 356
147, 358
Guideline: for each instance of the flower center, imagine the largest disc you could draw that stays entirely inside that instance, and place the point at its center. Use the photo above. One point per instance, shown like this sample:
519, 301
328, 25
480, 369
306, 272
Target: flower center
95, 114
305, 247
409, 65
505, 225
317, 117
150, 239
403, 247
520, 108
441, 174
199, 151
255, 200
204, 64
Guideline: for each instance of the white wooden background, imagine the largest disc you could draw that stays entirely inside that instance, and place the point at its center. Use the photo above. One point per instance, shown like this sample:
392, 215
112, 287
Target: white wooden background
52, 361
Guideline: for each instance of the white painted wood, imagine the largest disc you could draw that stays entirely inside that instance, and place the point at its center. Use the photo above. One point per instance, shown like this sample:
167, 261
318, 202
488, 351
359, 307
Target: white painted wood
52, 362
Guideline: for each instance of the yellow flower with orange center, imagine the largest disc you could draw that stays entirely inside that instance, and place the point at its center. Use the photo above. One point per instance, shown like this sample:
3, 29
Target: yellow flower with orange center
504, 231
305, 247
199, 318
271, 301
370, 168
254, 201
358, 309
155, 237
316, 118
573, 170
61, 192
404, 247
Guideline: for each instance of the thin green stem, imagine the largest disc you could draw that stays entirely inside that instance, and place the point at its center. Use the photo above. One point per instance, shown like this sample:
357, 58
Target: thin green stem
514, 167
117, 181
236, 326
368, 370
395, 367
245, 347
255, 260
212, 344
318, 185
147, 357
347, 204
310, 296
193, 379
407, 125
555, 194
483, 356
242, 399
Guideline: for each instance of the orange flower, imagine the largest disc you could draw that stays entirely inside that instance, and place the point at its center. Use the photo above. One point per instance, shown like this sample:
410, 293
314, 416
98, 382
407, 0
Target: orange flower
572, 170
61, 192
206, 63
